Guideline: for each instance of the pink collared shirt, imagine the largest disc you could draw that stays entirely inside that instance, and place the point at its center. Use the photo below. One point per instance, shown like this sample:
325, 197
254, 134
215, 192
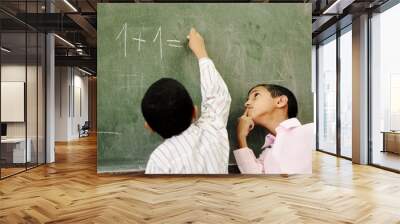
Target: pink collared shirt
289, 152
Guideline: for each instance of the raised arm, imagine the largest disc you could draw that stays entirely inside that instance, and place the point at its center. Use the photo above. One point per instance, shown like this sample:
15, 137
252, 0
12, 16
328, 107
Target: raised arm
216, 99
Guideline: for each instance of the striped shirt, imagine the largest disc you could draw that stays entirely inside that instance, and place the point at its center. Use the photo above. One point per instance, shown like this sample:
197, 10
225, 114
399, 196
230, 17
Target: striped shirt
203, 148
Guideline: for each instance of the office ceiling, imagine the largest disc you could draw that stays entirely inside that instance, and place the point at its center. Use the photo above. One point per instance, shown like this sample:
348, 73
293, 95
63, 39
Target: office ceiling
77, 22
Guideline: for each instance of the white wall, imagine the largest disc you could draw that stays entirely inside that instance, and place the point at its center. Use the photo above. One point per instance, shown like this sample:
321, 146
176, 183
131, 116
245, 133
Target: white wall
17, 73
70, 83
62, 81
33, 127
13, 101
81, 83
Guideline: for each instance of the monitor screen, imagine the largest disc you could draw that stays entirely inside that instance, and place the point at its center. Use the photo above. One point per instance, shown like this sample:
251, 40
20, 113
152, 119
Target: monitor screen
3, 129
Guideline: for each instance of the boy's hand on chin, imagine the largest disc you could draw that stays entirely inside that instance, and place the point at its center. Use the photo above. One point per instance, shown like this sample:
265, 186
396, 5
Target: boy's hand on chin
245, 125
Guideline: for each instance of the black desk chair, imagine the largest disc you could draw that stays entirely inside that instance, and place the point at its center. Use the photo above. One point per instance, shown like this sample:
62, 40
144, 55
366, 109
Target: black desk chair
84, 130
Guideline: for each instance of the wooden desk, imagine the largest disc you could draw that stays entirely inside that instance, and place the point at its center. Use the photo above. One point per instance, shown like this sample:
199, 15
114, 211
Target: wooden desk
391, 141
16, 147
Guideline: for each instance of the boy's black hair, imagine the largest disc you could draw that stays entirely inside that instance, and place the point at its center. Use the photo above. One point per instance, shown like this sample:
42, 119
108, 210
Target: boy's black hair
276, 91
167, 107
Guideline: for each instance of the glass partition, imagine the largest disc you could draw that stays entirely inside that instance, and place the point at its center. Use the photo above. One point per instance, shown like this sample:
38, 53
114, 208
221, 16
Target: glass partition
385, 89
15, 149
327, 95
346, 93
22, 77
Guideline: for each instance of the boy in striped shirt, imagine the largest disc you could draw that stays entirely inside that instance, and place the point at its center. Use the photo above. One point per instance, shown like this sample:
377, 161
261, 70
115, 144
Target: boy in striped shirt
189, 147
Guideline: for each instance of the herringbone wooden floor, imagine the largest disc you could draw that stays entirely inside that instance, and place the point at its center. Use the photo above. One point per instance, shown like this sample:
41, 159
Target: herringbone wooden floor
70, 191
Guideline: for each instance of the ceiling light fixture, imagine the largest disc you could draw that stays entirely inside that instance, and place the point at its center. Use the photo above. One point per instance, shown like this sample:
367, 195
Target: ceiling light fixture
331, 7
338, 6
70, 5
64, 40
84, 71
5, 50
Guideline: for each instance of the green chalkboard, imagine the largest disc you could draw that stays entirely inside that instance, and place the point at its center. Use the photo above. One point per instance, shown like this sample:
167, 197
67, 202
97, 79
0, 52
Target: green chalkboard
140, 43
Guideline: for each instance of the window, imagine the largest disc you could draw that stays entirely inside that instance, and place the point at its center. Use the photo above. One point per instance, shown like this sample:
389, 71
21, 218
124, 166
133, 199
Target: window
327, 95
346, 92
385, 88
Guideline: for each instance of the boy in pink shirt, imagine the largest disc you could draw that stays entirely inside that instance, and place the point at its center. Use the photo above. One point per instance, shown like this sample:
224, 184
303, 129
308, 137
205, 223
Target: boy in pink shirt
288, 148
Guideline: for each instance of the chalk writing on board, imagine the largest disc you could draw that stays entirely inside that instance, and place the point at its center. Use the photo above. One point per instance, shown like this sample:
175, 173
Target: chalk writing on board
173, 43
139, 40
159, 32
123, 30
109, 132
